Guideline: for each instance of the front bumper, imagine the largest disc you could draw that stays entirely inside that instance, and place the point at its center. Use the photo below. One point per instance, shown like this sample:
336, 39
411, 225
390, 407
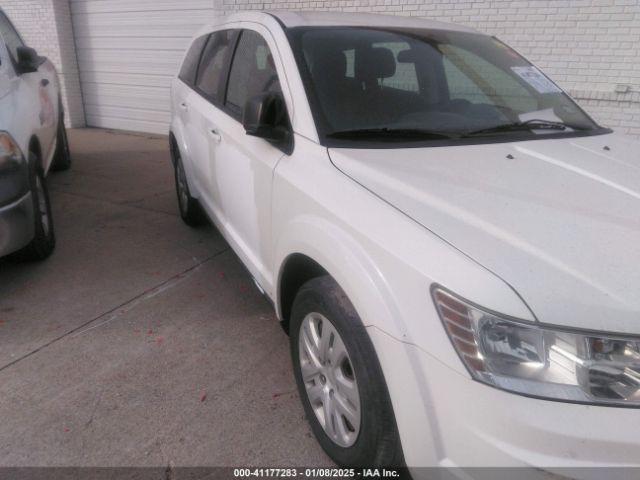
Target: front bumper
16, 225
460, 423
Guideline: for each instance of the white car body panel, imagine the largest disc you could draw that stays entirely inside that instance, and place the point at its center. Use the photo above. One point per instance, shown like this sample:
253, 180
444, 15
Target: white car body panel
516, 236
548, 209
29, 110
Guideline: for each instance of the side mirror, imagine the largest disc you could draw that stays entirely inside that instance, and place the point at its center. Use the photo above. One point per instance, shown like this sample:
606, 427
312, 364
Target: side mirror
28, 60
265, 116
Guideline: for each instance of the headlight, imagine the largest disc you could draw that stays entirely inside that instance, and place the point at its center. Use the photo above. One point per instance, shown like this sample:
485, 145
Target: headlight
14, 178
542, 361
10, 154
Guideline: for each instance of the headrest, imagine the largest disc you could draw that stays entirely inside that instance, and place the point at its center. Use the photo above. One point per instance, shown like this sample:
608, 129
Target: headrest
375, 63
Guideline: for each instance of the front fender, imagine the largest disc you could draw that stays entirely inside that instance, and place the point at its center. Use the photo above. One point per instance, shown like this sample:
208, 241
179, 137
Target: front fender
347, 262
349, 265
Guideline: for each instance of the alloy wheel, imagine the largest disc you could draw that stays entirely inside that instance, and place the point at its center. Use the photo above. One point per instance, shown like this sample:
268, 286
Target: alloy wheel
329, 379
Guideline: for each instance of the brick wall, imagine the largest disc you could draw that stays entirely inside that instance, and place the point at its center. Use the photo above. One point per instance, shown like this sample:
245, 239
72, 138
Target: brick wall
589, 47
46, 26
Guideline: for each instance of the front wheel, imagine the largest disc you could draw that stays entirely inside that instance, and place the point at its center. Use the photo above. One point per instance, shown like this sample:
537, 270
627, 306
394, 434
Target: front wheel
339, 379
44, 240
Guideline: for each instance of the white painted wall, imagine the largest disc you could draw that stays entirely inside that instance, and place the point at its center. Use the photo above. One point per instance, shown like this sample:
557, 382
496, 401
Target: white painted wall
128, 50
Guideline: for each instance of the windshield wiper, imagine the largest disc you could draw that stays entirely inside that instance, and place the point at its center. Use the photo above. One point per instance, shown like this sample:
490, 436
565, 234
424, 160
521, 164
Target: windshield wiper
390, 133
533, 124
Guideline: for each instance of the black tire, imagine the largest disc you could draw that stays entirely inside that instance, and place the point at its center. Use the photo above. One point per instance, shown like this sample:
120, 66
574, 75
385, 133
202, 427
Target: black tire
377, 443
190, 209
62, 156
44, 240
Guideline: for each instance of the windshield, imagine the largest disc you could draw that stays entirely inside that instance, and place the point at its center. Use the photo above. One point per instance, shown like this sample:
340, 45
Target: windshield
376, 84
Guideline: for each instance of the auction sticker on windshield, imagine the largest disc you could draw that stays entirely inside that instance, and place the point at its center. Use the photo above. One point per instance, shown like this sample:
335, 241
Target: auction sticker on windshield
536, 79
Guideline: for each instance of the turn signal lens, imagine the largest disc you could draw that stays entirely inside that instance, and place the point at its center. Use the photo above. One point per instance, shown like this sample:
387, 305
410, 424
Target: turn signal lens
10, 154
14, 176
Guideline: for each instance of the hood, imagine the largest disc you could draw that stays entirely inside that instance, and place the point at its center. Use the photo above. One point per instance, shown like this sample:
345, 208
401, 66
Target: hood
557, 219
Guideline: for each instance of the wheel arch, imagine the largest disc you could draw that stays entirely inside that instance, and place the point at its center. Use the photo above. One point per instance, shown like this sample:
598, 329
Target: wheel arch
297, 270
178, 147
315, 247
173, 146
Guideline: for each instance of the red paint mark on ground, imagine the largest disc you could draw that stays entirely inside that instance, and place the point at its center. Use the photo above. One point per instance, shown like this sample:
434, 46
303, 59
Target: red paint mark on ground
66, 430
280, 394
203, 396
159, 340
149, 332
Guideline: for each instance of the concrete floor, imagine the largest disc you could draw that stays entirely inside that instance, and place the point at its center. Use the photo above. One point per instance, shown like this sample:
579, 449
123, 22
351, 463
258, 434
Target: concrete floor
141, 341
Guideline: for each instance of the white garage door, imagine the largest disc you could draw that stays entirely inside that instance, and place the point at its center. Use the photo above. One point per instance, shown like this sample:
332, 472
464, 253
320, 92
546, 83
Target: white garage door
128, 50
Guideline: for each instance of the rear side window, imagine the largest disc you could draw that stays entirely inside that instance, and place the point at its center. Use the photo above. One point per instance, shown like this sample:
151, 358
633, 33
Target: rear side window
252, 71
190, 64
10, 36
212, 65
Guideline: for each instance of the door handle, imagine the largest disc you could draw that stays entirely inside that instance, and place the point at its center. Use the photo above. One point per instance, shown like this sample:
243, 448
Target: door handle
215, 135
44, 82
184, 106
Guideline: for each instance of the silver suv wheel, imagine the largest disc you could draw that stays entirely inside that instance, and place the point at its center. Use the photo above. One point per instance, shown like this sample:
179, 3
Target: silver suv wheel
329, 379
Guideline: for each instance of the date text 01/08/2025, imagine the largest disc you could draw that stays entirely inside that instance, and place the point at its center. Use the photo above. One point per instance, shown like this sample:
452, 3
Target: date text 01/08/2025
316, 473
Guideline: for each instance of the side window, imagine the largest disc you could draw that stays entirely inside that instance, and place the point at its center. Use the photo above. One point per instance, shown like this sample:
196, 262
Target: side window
10, 36
190, 64
212, 64
252, 71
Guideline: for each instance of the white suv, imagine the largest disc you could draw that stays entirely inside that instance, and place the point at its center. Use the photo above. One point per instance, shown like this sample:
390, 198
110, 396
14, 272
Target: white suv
450, 241
32, 141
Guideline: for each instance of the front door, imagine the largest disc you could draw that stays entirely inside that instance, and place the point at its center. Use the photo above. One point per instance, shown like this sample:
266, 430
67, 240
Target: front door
244, 165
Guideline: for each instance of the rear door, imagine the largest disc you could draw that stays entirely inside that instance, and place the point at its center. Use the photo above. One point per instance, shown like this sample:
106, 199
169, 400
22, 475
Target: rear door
243, 165
181, 96
203, 104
